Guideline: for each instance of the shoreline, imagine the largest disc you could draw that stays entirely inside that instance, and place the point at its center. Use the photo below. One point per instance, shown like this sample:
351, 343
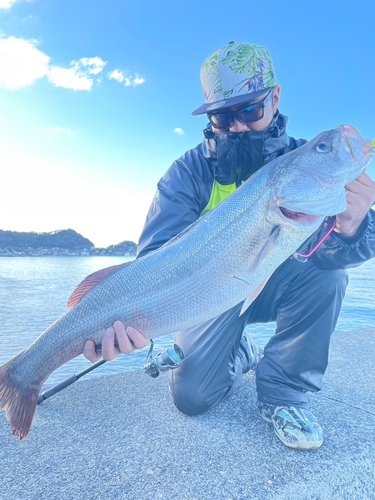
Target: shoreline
66, 253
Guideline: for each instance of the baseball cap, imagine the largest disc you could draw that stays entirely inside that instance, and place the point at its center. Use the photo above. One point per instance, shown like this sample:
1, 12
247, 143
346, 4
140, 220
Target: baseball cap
236, 73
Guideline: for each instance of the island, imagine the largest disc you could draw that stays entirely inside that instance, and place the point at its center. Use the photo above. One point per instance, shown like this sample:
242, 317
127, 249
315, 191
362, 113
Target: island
66, 243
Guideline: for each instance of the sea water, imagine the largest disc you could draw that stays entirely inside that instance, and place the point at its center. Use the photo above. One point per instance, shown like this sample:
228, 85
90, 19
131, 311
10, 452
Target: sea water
34, 292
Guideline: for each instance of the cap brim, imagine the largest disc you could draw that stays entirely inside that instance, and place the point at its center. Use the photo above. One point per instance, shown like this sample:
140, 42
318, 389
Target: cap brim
213, 107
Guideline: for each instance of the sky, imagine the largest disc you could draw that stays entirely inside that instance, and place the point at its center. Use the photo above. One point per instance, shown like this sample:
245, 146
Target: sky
96, 97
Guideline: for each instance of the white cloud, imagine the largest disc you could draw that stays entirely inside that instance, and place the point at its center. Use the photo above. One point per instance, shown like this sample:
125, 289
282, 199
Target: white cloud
69, 79
20, 62
6, 4
116, 75
79, 76
94, 65
64, 131
138, 81
179, 131
125, 78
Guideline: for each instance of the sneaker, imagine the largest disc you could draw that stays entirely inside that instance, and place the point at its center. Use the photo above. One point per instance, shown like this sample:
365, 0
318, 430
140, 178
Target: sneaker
250, 353
295, 427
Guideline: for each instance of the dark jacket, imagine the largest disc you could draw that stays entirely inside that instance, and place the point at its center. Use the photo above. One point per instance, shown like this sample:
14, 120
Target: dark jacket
205, 175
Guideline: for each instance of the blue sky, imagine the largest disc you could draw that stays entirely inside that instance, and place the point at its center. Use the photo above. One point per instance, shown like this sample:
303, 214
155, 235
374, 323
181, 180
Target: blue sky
91, 94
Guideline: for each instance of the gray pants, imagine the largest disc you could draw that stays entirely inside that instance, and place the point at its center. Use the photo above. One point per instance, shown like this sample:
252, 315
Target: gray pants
305, 302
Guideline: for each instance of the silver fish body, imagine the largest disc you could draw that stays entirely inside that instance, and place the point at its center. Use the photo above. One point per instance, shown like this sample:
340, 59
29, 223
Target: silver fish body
221, 260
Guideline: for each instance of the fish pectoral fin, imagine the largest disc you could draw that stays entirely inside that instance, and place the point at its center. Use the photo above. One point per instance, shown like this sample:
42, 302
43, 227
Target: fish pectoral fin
268, 247
253, 295
90, 281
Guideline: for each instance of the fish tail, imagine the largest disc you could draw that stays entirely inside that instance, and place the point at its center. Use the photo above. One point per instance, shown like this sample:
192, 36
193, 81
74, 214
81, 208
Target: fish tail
18, 404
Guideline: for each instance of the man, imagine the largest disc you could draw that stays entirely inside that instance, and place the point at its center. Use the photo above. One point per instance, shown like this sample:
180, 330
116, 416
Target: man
246, 131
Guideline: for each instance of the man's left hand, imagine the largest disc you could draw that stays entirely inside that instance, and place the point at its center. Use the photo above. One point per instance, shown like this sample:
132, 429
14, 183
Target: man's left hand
359, 198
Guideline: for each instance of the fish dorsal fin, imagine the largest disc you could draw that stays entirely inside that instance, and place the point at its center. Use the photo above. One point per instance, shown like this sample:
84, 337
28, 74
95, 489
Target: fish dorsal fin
253, 295
90, 281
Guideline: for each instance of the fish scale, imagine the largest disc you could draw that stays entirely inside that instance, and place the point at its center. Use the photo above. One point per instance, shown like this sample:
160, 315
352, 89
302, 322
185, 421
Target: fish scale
222, 259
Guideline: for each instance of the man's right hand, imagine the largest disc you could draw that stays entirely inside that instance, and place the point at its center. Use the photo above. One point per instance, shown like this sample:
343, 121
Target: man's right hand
128, 340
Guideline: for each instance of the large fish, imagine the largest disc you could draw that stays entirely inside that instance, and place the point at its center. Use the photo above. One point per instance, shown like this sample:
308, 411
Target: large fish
224, 258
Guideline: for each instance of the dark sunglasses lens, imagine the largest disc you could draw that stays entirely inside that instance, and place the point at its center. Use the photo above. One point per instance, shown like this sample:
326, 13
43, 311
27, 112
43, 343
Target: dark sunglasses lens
221, 120
251, 114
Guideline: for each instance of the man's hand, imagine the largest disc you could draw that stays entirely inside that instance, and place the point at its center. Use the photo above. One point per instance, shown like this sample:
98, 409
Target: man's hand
128, 340
360, 198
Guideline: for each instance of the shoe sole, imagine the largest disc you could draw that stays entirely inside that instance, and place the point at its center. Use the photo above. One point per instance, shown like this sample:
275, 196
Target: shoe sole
301, 446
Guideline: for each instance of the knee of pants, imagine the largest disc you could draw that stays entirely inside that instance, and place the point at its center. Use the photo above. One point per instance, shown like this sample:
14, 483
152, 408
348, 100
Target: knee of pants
332, 279
189, 402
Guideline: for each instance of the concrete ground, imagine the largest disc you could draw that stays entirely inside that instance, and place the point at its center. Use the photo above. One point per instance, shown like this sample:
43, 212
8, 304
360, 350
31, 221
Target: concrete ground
121, 437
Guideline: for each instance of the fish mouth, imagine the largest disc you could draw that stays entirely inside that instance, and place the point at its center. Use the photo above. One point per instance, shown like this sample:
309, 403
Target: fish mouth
360, 150
300, 217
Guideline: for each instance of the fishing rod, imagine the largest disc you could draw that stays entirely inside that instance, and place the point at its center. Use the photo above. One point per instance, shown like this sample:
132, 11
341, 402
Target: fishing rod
66, 383
166, 360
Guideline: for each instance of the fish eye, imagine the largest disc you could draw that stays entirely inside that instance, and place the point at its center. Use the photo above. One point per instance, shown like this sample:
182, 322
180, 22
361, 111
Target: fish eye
322, 147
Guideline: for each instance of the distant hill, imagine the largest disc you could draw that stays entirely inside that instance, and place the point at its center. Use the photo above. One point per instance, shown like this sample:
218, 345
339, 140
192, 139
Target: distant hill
124, 247
66, 238
64, 242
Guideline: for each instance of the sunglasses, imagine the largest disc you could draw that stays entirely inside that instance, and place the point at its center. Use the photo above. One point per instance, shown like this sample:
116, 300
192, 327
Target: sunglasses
249, 114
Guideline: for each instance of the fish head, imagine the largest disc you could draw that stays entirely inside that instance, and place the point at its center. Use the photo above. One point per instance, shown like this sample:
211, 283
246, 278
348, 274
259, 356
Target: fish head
308, 184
